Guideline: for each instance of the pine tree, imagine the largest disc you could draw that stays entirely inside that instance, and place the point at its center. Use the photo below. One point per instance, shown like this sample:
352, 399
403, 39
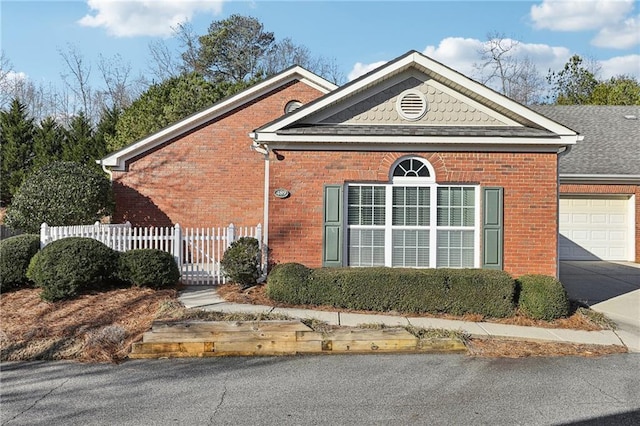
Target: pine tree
16, 149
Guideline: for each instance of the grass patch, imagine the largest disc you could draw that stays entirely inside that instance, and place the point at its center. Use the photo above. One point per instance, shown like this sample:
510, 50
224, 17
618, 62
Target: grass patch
597, 318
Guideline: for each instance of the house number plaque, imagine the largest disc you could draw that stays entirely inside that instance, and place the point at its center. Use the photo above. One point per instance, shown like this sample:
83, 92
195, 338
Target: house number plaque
281, 193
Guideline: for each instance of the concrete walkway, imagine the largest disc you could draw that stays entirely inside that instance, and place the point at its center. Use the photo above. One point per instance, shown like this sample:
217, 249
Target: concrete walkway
208, 299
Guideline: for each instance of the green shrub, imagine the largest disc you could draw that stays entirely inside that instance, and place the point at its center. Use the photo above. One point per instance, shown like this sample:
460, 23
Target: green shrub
542, 297
455, 291
68, 266
241, 261
289, 281
149, 268
15, 255
60, 193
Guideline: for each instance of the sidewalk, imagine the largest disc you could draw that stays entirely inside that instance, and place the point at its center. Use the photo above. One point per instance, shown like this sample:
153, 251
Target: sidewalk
208, 299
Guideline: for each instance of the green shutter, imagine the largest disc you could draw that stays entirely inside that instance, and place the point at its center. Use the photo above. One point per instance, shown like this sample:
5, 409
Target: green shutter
332, 227
492, 228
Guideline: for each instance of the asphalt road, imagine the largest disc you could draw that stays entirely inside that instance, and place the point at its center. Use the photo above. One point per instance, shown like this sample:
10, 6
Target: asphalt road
325, 390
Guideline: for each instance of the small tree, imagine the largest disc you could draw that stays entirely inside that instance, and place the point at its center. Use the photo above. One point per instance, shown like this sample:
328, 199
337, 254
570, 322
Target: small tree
61, 193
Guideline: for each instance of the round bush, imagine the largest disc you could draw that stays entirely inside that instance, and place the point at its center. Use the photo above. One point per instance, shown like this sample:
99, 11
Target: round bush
60, 193
149, 268
71, 265
15, 255
287, 282
542, 297
241, 261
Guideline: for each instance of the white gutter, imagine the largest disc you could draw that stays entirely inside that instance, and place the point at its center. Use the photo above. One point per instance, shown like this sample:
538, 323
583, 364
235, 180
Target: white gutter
104, 169
601, 179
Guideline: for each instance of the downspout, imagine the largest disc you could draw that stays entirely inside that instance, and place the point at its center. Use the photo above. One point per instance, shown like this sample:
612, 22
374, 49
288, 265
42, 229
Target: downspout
567, 149
263, 149
106, 170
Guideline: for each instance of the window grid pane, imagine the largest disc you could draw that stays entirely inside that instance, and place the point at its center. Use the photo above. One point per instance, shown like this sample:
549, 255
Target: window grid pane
366, 247
410, 248
456, 206
366, 205
455, 249
411, 206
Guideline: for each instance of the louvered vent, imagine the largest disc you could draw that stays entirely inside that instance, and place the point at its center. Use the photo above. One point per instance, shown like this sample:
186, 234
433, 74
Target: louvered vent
411, 105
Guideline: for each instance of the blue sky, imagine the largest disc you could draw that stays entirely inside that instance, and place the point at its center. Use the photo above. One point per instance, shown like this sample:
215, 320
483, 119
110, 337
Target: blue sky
357, 34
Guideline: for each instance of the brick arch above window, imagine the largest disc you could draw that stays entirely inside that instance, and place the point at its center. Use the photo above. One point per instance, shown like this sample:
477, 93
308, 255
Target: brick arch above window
390, 160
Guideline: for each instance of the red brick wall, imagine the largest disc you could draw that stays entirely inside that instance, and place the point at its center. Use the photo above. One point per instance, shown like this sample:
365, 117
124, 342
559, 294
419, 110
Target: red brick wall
209, 177
530, 191
610, 189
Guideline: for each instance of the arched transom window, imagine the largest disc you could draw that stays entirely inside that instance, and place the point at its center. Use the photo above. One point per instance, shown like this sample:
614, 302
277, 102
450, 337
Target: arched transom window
412, 221
411, 167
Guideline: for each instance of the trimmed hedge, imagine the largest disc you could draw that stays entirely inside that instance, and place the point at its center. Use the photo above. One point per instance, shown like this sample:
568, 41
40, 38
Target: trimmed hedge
455, 291
149, 268
68, 266
241, 261
542, 297
15, 255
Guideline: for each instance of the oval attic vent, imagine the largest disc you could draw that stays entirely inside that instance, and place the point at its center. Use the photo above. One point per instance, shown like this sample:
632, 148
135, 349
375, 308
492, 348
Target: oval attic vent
411, 105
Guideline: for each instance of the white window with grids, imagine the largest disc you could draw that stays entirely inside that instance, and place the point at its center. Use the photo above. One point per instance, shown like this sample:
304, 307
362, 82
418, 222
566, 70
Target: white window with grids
413, 222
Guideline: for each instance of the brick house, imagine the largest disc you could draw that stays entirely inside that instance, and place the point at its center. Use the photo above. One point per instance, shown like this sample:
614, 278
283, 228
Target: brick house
412, 164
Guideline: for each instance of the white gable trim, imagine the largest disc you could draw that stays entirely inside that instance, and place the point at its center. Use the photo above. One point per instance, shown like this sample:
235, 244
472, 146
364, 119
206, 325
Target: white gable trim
392, 68
117, 160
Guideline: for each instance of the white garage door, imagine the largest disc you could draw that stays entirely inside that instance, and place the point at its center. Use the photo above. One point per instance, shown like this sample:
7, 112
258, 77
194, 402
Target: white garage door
595, 228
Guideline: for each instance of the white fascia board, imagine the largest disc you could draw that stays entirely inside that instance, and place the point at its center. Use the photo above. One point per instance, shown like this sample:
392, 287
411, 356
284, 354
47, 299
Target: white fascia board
599, 179
117, 159
310, 141
416, 147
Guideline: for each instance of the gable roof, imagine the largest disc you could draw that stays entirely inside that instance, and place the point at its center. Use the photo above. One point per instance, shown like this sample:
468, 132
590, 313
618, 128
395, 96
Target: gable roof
117, 160
517, 123
611, 145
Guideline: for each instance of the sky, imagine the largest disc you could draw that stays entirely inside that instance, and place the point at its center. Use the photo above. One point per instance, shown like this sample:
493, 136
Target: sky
358, 35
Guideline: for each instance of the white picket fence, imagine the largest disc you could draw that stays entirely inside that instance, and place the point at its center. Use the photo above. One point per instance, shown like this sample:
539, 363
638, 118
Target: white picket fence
197, 251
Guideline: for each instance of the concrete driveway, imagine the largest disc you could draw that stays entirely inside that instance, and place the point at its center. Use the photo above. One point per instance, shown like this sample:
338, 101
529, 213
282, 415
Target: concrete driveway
612, 288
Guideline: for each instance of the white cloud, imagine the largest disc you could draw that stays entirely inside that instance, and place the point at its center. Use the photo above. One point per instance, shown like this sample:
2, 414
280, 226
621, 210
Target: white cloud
360, 69
457, 53
578, 15
130, 18
462, 54
621, 36
621, 65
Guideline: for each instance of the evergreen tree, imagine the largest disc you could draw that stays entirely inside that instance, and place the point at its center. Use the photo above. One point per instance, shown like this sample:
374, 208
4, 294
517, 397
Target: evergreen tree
16, 148
80, 144
48, 143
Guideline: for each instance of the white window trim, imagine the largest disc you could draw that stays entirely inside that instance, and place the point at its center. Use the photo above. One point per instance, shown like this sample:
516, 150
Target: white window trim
433, 211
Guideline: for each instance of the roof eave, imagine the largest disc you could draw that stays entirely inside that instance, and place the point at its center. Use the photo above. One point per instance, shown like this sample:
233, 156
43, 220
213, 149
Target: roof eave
569, 178
117, 160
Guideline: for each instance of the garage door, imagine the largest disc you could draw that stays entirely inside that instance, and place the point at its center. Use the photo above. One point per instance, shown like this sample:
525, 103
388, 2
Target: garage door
594, 228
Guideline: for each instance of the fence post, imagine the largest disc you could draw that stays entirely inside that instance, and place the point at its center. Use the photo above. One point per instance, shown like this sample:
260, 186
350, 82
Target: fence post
231, 231
259, 234
177, 245
44, 234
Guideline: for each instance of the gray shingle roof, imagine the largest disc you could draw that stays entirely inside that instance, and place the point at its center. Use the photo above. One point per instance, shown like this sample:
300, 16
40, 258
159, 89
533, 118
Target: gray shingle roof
611, 144
378, 130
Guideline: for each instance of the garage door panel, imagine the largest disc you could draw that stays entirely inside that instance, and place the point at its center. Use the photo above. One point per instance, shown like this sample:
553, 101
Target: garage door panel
596, 228
617, 219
